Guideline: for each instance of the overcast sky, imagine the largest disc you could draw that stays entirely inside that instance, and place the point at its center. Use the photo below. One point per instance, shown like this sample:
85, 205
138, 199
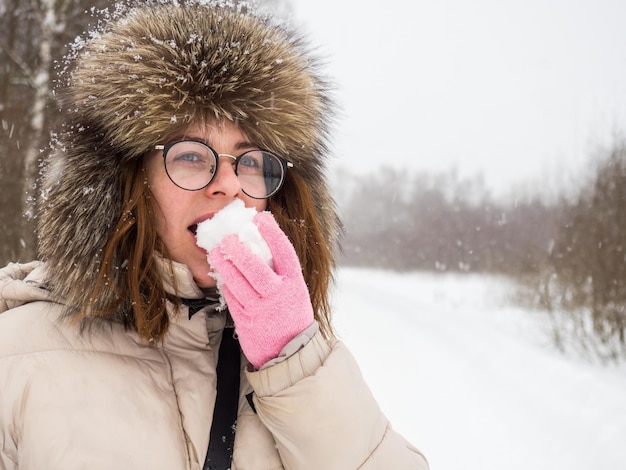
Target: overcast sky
520, 90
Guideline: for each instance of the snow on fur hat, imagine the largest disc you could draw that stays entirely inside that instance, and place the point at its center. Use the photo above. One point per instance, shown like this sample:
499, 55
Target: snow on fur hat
150, 71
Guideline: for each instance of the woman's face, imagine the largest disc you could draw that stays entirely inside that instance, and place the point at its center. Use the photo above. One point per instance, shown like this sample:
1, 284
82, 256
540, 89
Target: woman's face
180, 211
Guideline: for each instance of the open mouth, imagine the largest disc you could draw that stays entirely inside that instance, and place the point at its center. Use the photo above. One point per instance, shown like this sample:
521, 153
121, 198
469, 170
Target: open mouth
193, 228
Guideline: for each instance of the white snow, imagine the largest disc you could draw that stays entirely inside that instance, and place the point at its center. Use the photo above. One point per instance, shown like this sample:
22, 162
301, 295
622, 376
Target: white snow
474, 381
235, 219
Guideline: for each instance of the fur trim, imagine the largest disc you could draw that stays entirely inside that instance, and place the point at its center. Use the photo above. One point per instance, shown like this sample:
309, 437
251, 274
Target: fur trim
147, 75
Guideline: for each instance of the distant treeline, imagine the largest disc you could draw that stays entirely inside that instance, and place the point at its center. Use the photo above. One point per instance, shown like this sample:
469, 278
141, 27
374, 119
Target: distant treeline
570, 254
431, 222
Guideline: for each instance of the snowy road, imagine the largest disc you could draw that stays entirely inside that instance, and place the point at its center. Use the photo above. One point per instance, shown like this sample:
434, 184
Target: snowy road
474, 383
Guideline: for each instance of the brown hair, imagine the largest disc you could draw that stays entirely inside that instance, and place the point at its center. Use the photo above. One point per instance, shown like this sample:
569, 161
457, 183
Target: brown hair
131, 247
134, 241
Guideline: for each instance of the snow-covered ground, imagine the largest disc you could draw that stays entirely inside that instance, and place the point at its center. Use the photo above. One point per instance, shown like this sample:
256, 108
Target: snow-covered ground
473, 381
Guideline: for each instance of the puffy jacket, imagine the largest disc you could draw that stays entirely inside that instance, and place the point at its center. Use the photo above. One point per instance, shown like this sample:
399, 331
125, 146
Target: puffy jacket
104, 399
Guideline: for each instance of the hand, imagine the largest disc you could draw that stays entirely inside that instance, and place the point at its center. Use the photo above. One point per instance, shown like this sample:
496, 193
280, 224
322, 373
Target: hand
269, 307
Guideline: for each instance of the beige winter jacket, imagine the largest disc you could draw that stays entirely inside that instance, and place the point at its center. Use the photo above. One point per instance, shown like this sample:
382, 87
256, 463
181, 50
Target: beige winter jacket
106, 400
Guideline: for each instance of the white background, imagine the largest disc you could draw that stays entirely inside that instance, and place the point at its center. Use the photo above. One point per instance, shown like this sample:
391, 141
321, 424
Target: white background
522, 91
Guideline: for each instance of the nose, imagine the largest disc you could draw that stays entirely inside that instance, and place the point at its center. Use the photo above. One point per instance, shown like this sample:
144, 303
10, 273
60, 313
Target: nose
225, 181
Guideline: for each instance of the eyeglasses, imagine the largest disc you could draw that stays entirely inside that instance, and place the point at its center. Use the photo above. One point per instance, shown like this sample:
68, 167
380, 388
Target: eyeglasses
192, 165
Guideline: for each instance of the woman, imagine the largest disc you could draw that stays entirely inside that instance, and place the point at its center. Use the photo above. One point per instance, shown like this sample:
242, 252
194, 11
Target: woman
114, 352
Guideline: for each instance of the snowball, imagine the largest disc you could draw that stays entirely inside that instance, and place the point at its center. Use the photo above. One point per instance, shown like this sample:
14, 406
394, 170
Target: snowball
235, 219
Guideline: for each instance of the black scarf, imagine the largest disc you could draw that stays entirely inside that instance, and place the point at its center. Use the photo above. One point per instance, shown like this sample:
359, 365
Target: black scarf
222, 441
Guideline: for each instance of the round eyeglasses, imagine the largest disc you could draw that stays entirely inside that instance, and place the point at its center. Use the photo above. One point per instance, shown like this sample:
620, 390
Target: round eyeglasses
192, 165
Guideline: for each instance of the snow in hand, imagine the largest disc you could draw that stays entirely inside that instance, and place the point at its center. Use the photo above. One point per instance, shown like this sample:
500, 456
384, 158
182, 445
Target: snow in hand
474, 381
234, 219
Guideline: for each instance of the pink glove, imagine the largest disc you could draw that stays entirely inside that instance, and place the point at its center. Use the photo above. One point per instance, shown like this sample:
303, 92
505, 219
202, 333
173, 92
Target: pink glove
269, 307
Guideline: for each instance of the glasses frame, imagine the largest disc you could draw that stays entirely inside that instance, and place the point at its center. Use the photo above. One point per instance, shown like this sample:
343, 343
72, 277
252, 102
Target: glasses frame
166, 147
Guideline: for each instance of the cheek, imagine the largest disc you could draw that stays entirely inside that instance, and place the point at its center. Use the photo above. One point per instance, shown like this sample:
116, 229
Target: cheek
163, 201
160, 215
169, 210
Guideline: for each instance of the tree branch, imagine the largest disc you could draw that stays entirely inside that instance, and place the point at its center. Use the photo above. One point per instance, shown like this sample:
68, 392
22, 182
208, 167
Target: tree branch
20, 64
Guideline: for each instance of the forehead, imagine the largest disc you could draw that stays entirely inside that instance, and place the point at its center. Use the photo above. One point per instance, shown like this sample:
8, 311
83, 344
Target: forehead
213, 133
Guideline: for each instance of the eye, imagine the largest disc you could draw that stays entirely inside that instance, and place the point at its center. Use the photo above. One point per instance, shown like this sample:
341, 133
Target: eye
189, 153
250, 162
191, 157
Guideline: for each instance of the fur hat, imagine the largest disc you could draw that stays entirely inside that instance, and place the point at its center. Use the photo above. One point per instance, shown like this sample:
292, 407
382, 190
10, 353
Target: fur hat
153, 69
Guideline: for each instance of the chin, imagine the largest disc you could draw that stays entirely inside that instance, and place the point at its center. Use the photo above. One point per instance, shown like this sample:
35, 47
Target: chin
205, 281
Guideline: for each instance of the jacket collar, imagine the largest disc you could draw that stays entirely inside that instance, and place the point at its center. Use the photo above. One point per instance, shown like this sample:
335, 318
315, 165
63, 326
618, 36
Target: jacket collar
178, 279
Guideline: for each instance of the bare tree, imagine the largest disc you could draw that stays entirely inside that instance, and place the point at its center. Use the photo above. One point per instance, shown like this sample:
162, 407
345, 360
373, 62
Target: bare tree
442, 223
33, 38
587, 269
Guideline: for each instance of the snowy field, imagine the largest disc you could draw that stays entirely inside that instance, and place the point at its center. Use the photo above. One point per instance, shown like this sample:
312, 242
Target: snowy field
473, 381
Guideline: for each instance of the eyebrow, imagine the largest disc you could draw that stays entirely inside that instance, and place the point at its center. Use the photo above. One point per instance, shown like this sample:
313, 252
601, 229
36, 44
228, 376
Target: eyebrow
244, 144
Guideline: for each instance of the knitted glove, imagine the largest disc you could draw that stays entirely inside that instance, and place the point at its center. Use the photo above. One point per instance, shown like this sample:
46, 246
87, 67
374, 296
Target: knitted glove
269, 307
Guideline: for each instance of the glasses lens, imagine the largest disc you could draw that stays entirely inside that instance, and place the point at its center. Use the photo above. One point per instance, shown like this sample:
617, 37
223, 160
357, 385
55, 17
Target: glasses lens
260, 173
190, 165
